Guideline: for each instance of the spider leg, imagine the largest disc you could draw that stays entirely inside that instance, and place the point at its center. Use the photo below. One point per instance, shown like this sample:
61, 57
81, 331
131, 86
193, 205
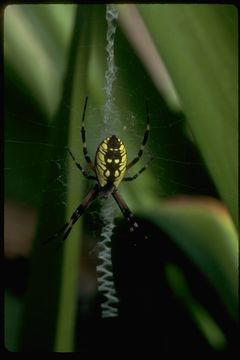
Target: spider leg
130, 178
65, 230
133, 224
145, 137
85, 151
90, 177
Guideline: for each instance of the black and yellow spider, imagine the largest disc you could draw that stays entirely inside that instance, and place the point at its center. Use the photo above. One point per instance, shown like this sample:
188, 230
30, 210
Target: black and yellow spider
109, 168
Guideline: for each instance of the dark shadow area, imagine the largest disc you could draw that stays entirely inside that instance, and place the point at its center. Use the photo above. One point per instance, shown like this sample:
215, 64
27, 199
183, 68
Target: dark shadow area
151, 319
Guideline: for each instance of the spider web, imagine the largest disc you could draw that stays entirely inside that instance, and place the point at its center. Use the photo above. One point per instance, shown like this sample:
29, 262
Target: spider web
24, 166
104, 270
21, 145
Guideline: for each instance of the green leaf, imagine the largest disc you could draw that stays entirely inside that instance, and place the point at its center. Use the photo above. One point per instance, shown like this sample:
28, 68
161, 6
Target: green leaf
12, 320
203, 229
65, 331
203, 319
36, 43
52, 293
198, 44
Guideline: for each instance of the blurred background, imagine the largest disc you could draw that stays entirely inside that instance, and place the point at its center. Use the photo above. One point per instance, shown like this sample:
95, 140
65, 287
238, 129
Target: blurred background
178, 290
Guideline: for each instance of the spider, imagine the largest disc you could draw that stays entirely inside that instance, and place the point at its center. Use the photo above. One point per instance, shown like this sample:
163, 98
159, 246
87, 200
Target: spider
109, 171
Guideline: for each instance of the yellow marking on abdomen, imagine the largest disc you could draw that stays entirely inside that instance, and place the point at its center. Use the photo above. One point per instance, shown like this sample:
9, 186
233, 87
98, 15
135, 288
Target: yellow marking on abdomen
101, 157
107, 168
121, 167
124, 158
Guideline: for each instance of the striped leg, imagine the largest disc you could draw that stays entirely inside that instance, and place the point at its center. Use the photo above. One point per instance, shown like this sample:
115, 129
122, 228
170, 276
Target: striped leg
146, 134
65, 230
85, 151
130, 178
90, 177
133, 224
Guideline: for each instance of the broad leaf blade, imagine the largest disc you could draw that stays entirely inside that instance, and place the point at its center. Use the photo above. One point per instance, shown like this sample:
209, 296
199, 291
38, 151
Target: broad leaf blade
199, 46
203, 229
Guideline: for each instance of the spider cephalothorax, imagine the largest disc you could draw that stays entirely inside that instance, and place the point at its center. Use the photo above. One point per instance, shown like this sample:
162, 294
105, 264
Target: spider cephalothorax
109, 171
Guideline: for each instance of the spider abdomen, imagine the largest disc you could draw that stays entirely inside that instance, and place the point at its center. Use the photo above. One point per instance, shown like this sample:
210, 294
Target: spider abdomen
111, 161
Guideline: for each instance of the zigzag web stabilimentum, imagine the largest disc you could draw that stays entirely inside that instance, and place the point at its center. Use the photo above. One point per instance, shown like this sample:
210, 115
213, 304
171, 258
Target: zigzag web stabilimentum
104, 269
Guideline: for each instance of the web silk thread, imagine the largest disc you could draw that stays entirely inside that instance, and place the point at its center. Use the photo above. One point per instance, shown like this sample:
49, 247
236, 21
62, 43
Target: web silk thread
104, 270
